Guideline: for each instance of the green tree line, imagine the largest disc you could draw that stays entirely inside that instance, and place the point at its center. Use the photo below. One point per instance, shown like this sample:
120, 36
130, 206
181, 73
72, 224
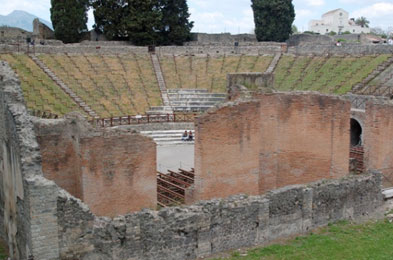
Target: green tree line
158, 22
142, 22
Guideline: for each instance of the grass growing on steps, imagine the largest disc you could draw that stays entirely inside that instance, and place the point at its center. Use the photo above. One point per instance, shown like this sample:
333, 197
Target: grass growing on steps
334, 75
40, 92
208, 72
110, 85
337, 241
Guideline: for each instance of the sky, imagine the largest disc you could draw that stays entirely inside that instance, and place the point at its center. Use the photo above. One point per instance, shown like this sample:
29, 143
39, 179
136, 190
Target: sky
235, 16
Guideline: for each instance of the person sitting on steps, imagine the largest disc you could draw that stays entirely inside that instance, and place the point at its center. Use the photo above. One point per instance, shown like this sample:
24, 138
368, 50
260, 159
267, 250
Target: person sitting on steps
190, 137
184, 137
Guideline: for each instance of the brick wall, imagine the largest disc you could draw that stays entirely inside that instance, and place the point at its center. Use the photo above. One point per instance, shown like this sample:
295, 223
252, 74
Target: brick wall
271, 142
227, 152
378, 139
304, 138
59, 145
111, 171
119, 174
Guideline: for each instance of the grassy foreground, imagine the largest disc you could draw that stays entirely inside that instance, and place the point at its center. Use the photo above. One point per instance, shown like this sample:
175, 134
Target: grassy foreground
337, 241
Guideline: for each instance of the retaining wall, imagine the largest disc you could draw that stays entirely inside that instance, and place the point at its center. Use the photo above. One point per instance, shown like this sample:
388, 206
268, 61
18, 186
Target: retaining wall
214, 226
345, 49
211, 49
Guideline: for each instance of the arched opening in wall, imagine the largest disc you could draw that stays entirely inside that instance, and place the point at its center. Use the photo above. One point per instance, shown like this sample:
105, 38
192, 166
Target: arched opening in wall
356, 154
356, 133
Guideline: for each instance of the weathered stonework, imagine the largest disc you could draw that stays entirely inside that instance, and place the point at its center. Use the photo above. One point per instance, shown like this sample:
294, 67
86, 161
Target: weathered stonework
214, 226
245, 85
28, 212
42, 221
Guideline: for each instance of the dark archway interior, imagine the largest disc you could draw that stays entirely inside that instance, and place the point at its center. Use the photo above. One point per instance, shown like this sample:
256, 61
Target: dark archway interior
356, 133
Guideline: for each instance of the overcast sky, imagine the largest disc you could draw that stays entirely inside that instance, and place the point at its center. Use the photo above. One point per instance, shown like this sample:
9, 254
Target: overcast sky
235, 16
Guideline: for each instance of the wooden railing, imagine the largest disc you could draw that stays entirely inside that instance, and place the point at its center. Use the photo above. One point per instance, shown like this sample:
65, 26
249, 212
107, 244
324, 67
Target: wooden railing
143, 119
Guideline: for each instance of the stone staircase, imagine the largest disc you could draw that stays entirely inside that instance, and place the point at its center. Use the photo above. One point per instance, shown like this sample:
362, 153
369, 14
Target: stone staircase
168, 137
166, 108
64, 87
189, 101
364, 87
382, 85
274, 63
194, 100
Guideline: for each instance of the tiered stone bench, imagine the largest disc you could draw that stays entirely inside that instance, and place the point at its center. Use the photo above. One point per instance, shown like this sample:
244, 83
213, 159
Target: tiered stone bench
168, 137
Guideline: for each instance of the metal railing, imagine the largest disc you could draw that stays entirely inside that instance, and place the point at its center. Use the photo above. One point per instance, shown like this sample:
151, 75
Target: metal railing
143, 119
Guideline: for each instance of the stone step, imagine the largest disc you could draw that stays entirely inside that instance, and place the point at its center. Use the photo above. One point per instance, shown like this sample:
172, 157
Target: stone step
187, 91
193, 103
165, 132
167, 137
216, 100
387, 193
191, 108
164, 108
200, 95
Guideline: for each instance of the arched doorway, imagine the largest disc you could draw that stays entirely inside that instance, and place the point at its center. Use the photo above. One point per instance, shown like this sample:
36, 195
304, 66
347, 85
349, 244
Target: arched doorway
356, 133
356, 153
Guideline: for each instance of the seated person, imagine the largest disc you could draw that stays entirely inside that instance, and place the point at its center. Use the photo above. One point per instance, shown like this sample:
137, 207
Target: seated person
190, 137
184, 137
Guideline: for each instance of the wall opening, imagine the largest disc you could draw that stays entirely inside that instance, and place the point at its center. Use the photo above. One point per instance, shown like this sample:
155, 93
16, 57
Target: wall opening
356, 133
356, 154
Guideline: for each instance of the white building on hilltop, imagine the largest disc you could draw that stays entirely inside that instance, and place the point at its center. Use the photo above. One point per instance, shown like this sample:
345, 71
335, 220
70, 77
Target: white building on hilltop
336, 21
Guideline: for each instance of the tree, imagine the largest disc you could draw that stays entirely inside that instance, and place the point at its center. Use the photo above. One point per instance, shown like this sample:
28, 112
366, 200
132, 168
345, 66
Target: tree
294, 30
142, 21
69, 19
363, 22
273, 19
109, 18
175, 24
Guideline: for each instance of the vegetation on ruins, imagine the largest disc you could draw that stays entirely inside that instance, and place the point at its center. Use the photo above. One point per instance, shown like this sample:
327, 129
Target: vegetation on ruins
110, 85
338, 241
325, 74
69, 19
273, 19
158, 22
40, 92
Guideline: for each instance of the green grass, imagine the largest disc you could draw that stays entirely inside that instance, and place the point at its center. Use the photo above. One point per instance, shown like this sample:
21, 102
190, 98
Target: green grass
337, 241
40, 92
3, 251
110, 85
335, 75
210, 73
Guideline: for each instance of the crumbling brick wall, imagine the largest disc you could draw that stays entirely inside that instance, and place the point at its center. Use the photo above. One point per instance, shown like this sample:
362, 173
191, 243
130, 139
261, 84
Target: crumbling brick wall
378, 139
274, 141
59, 146
111, 171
